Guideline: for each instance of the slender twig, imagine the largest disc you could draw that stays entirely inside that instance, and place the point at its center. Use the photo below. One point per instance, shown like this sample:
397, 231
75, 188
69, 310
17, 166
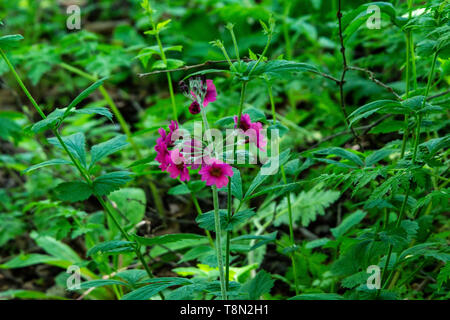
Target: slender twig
344, 71
378, 82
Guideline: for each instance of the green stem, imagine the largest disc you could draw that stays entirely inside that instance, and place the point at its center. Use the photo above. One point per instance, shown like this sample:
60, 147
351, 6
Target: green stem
241, 102
414, 158
228, 240
291, 224
216, 219
200, 212
218, 242
169, 78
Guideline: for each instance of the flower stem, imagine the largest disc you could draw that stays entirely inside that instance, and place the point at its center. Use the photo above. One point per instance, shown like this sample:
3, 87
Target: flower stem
291, 224
169, 78
228, 239
218, 242
216, 218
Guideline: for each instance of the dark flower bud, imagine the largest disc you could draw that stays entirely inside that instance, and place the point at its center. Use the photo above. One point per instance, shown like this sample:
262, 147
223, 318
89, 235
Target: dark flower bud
194, 108
183, 87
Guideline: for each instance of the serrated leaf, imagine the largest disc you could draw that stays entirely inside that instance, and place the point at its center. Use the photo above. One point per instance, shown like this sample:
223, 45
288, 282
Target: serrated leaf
83, 95
167, 238
110, 182
153, 287
95, 110
76, 145
104, 149
53, 162
73, 191
262, 283
113, 246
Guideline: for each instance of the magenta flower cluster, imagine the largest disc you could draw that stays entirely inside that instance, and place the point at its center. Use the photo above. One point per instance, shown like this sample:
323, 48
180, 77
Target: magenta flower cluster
213, 171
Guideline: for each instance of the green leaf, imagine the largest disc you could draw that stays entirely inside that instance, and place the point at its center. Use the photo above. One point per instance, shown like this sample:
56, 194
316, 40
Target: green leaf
262, 175
10, 41
113, 246
100, 283
348, 222
95, 110
73, 191
280, 68
167, 238
259, 285
110, 182
46, 164
264, 239
377, 156
207, 219
318, 296
353, 20
76, 145
52, 121
371, 108
83, 95
443, 276
236, 184
154, 287
343, 153
25, 260
104, 149
131, 202
57, 249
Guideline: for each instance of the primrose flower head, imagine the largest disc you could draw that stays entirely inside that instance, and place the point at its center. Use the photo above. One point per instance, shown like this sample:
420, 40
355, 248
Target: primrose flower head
215, 172
200, 90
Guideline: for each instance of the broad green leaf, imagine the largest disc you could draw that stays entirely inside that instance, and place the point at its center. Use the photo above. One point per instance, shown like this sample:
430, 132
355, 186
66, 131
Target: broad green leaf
259, 285
57, 249
261, 176
110, 182
46, 164
263, 239
348, 222
343, 153
318, 296
167, 238
153, 287
95, 110
104, 149
73, 191
236, 184
131, 202
112, 246
76, 145
100, 283
371, 108
10, 41
377, 156
353, 20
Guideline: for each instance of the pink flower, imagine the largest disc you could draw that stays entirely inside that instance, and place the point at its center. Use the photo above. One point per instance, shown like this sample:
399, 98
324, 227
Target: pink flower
177, 166
252, 130
211, 93
163, 143
192, 150
215, 172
